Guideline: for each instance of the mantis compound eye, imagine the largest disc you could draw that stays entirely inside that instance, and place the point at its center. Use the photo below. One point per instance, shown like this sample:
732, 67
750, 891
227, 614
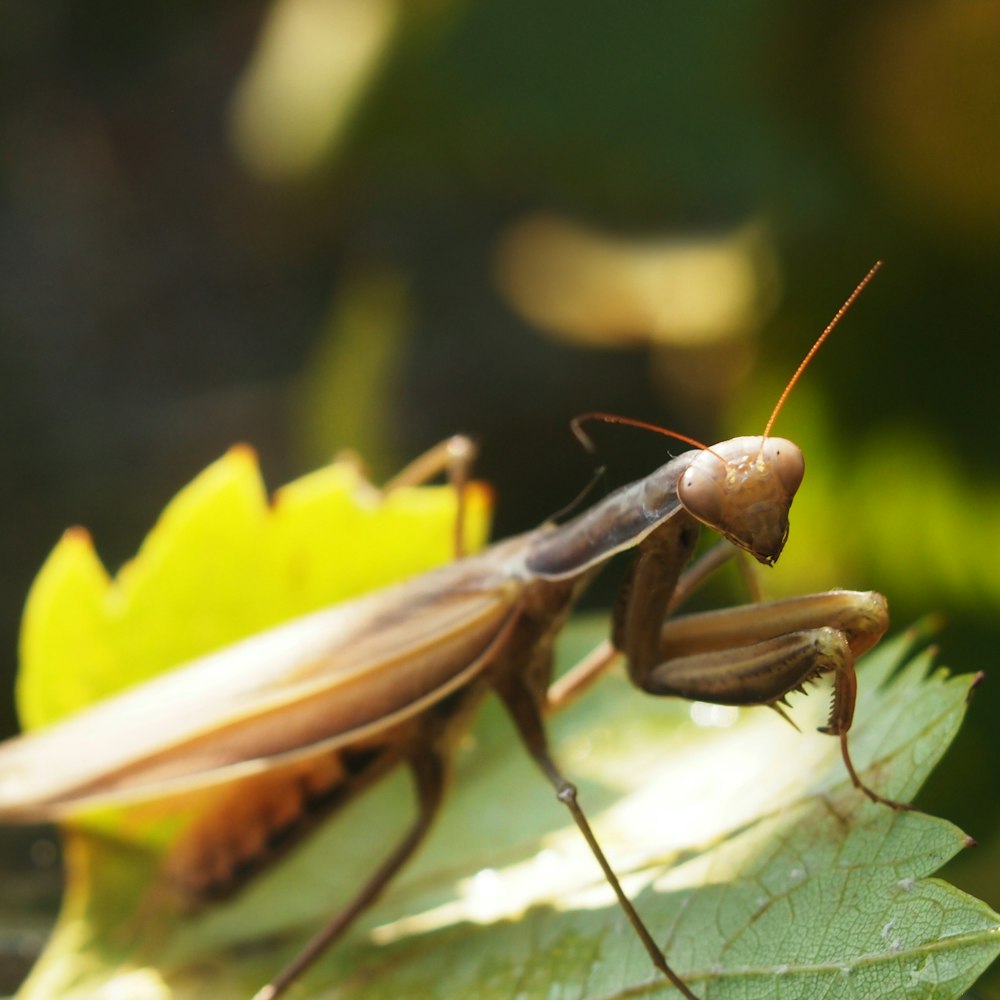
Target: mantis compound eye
702, 489
786, 462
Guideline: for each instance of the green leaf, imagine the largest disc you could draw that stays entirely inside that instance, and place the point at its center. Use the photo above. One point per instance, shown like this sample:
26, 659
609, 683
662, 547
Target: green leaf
758, 867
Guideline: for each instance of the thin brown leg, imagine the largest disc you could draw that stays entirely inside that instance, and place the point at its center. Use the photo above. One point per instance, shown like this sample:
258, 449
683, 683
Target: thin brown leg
695, 575
861, 786
525, 714
454, 458
845, 695
428, 776
580, 676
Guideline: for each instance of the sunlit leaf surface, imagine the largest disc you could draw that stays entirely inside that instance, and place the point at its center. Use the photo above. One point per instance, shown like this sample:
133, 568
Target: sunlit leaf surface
761, 871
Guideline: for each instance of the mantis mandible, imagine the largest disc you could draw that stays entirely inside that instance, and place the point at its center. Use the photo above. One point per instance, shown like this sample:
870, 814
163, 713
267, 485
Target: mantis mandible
317, 710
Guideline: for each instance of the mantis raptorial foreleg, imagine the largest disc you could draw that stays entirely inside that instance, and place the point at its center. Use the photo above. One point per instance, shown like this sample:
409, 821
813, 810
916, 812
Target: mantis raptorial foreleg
574, 682
750, 655
757, 654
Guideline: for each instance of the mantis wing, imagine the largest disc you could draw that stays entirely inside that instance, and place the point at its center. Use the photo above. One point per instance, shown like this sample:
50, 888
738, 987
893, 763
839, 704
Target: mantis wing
313, 684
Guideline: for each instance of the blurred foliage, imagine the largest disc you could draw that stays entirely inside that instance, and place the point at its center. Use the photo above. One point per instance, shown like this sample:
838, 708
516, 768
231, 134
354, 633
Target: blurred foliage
165, 294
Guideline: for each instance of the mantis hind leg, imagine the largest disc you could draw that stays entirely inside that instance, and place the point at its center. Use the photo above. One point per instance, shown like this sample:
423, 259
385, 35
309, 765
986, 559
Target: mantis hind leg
454, 458
428, 770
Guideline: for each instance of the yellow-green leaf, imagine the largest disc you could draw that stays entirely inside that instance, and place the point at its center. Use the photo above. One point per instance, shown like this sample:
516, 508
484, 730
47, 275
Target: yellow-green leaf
220, 564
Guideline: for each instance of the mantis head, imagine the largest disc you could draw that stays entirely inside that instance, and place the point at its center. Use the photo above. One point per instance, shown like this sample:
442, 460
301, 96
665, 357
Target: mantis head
743, 488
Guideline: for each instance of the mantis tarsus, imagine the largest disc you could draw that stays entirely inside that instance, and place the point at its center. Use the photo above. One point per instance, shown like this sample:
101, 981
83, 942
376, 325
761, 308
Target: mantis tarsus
315, 711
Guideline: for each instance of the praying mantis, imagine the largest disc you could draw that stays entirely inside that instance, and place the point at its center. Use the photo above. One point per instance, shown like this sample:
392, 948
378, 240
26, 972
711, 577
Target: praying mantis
304, 717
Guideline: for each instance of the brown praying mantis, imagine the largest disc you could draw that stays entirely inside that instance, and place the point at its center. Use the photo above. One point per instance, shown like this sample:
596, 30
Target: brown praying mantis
300, 719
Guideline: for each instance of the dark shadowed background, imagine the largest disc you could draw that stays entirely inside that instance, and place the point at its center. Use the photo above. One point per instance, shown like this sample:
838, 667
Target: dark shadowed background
324, 224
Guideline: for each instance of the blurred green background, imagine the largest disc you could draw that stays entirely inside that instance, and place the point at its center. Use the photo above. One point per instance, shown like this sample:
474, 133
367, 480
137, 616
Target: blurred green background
321, 224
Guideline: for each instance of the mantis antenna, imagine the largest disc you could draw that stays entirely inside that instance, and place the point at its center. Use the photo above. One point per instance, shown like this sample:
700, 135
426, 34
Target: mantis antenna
810, 354
613, 418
